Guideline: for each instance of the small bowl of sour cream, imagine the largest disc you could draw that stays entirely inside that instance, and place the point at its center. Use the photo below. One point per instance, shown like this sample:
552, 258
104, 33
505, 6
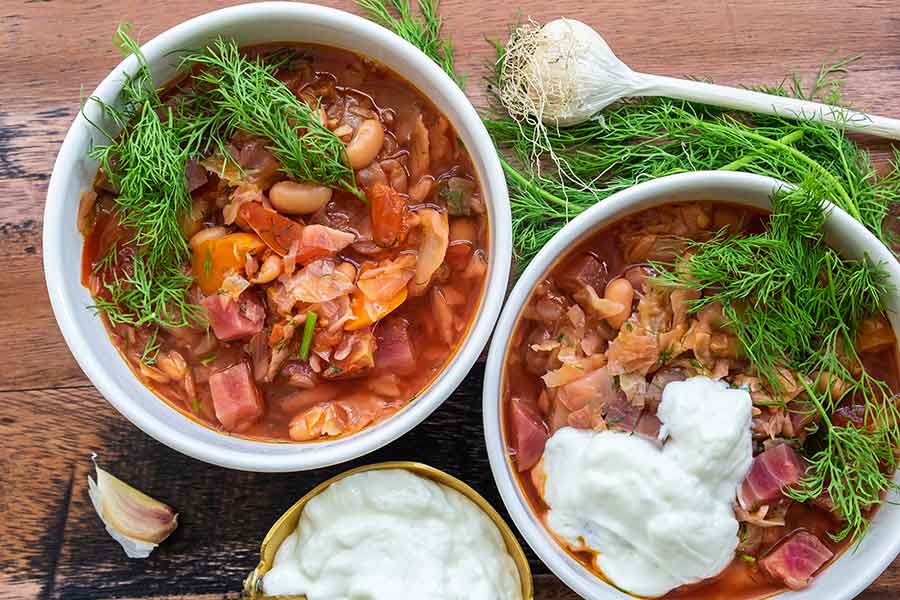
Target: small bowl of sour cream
402, 528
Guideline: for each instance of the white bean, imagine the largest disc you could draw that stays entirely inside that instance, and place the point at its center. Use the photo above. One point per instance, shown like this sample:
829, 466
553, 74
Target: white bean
298, 197
365, 144
270, 269
205, 235
621, 291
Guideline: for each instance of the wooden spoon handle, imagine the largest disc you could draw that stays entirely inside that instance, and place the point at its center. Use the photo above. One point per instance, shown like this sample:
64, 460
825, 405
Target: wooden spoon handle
758, 102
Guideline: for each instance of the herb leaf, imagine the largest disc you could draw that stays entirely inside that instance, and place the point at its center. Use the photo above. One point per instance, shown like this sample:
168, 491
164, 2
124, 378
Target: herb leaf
146, 164
424, 32
237, 92
308, 328
794, 303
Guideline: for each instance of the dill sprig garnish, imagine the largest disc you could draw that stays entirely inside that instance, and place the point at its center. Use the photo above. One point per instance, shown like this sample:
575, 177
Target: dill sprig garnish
791, 300
145, 164
235, 92
795, 304
634, 141
423, 32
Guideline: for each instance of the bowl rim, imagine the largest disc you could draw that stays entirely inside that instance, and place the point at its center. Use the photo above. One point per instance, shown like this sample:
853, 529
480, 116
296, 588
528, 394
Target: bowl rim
615, 207
254, 457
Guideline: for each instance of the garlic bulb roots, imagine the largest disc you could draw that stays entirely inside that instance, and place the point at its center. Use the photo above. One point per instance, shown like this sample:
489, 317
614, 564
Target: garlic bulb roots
561, 74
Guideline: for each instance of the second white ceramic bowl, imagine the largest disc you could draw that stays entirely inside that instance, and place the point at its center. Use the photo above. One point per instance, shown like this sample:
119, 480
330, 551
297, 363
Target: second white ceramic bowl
853, 571
73, 173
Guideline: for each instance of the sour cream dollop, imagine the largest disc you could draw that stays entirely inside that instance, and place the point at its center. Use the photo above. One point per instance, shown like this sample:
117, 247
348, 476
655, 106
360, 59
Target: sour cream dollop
388, 534
658, 518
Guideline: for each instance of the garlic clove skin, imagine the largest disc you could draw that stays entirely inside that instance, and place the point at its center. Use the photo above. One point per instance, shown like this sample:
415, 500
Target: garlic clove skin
135, 520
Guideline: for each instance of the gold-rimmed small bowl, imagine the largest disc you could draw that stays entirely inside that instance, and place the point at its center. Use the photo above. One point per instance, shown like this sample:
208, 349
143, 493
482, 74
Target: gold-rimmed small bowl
287, 523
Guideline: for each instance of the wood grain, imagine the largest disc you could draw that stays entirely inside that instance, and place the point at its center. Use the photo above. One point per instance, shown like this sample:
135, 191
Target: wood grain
52, 53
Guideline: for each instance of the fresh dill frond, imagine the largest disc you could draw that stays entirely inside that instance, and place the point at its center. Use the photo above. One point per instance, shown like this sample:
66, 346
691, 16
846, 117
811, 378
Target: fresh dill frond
242, 93
151, 348
423, 32
108, 260
145, 164
149, 295
795, 304
638, 140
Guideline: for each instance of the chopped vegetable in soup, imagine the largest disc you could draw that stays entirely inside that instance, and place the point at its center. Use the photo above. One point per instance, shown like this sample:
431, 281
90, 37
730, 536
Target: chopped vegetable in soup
329, 245
611, 327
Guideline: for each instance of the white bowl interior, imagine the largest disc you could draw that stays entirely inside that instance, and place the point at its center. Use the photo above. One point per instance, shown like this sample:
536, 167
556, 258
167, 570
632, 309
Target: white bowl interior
853, 571
74, 172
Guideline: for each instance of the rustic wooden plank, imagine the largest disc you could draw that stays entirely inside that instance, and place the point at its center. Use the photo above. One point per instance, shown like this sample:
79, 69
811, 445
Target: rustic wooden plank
51, 543
32, 337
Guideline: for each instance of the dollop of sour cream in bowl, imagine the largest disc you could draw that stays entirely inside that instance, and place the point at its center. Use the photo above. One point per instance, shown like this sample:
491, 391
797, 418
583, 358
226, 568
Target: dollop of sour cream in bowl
656, 518
386, 534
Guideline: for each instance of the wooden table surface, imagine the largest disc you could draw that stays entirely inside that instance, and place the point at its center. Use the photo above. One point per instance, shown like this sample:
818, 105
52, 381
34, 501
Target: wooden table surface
52, 53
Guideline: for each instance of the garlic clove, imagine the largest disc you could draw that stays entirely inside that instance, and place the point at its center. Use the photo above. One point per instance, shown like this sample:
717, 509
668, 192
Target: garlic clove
135, 520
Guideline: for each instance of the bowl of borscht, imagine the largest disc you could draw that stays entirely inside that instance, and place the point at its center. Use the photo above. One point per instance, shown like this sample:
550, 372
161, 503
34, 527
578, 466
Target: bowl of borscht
692, 392
276, 237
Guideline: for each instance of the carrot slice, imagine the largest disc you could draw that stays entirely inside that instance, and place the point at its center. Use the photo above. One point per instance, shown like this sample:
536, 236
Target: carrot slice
367, 311
277, 231
212, 259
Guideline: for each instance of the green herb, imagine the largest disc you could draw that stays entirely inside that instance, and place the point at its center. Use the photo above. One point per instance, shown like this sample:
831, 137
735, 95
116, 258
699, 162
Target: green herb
207, 262
151, 349
195, 405
423, 32
748, 558
109, 259
236, 92
563, 171
208, 360
457, 193
794, 303
665, 355
146, 165
308, 329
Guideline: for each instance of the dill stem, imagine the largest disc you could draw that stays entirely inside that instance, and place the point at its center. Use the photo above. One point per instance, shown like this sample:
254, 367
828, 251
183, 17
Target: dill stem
851, 206
514, 174
738, 164
813, 397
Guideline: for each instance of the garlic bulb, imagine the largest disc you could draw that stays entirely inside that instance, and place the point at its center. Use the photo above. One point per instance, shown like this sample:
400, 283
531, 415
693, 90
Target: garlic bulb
135, 520
562, 73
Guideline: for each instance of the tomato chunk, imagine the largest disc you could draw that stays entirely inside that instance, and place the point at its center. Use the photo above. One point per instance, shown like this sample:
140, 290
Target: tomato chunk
388, 211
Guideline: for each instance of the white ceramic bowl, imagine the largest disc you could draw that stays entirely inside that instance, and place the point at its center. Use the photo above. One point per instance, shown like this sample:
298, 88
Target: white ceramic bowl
74, 172
853, 571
